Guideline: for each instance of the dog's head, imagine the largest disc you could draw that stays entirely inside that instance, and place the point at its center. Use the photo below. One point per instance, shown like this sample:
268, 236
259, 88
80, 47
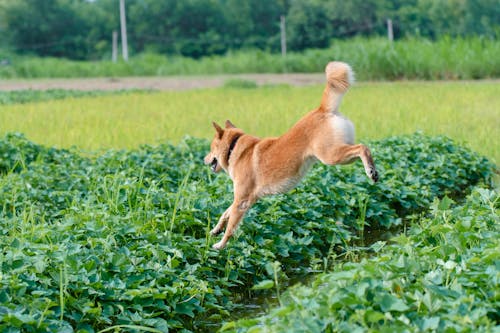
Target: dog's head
217, 158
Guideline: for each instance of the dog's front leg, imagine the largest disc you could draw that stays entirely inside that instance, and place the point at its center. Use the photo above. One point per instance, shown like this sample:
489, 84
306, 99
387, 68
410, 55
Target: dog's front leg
236, 213
222, 222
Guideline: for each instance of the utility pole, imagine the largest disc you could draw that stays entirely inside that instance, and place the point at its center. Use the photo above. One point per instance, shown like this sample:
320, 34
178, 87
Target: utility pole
123, 25
283, 35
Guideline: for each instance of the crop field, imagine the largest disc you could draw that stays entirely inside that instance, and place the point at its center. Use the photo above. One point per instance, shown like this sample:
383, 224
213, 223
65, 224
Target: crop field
107, 207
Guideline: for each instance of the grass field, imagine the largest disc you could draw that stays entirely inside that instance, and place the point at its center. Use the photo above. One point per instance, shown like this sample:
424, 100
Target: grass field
468, 112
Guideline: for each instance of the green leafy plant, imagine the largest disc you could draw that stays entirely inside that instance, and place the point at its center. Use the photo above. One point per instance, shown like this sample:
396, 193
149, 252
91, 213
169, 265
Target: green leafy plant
119, 239
441, 276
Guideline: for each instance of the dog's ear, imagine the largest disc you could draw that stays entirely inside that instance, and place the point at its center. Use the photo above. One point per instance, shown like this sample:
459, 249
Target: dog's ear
229, 124
219, 129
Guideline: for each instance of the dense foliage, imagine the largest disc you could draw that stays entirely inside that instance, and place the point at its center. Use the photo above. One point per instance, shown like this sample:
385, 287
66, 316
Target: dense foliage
372, 59
82, 29
122, 238
442, 276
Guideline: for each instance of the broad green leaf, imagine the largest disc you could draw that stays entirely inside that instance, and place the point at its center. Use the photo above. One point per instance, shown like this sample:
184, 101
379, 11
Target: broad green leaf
228, 326
389, 303
445, 203
185, 309
430, 324
373, 316
265, 284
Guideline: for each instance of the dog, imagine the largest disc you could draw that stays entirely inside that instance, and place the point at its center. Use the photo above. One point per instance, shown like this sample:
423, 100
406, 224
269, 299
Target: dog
261, 167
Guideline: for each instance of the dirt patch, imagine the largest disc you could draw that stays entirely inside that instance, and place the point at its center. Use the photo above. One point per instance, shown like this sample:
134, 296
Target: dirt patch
160, 83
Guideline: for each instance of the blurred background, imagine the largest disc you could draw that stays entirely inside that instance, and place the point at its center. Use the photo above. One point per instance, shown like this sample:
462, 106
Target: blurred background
83, 29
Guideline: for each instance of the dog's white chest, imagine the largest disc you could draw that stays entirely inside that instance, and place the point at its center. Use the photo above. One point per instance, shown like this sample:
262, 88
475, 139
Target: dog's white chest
343, 128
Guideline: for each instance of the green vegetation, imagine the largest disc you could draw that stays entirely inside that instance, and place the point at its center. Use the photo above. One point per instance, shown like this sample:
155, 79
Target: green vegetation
118, 240
240, 84
442, 276
372, 59
121, 239
197, 28
468, 112
30, 96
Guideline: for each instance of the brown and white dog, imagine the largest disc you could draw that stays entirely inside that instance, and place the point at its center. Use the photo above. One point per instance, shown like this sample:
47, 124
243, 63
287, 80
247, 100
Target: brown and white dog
260, 167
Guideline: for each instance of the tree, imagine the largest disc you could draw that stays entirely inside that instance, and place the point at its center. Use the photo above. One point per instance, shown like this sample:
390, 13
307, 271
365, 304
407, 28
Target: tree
482, 18
354, 17
82, 29
308, 25
190, 27
59, 28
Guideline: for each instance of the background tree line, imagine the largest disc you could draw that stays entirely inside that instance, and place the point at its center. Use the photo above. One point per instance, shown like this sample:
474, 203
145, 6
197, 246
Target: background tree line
82, 29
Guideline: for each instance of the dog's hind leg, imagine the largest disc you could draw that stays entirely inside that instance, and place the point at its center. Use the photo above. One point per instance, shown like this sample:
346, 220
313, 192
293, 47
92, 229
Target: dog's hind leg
236, 213
346, 154
222, 222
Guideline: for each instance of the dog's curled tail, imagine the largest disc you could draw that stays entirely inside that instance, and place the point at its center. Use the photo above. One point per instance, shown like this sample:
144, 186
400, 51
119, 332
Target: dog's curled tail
340, 77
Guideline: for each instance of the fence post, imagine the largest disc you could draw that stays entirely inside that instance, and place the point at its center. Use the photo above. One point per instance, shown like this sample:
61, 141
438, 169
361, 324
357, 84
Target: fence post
390, 34
114, 55
123, 25
283, 35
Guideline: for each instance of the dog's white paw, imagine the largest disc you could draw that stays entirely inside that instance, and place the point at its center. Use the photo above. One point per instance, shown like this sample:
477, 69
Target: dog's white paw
219, 246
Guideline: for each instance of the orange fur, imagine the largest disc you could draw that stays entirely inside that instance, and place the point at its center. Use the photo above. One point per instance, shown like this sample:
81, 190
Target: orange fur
260, 167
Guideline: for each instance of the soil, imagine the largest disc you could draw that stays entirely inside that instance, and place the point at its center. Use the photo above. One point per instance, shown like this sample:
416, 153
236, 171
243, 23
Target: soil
160, 83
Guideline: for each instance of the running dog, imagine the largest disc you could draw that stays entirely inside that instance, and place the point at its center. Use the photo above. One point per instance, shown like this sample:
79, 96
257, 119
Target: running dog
260, 167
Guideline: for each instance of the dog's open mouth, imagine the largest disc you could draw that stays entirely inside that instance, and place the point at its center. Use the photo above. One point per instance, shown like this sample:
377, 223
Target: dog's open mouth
214, 164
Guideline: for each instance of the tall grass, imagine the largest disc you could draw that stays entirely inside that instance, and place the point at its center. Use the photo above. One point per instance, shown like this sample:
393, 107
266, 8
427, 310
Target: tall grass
374, 59
468, 112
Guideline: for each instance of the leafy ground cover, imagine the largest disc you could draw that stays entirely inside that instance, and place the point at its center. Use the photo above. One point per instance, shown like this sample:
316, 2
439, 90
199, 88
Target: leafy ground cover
374, 59
442, 276
120, 240
468, 112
